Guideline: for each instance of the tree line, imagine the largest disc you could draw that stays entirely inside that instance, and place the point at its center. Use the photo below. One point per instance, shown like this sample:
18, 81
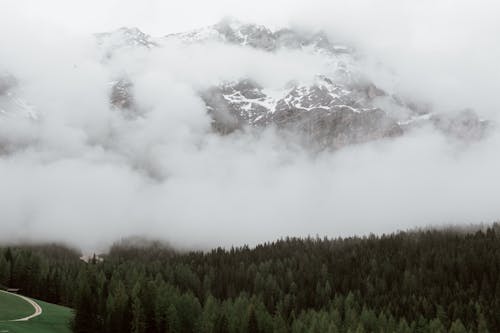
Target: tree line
418, 281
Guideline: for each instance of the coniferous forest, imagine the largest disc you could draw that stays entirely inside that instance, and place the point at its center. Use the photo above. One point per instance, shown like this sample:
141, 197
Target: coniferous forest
416, 281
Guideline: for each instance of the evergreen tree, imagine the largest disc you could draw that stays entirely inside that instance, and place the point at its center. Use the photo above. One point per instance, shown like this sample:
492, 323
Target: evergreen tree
173, 322
221, 325
253, 326
406, 282
85, 320
436, 326
138, 314
4, 271
457, 327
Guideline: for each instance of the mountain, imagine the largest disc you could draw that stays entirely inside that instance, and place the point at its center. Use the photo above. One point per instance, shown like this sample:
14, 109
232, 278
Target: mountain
339, 107
123, 39
260, 37
328, 114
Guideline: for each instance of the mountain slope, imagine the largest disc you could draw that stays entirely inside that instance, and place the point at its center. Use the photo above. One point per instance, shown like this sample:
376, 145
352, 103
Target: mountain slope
337, 108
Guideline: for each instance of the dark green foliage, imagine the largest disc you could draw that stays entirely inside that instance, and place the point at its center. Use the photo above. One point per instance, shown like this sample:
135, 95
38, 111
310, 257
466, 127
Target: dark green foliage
253, 326
422, 281
221, 324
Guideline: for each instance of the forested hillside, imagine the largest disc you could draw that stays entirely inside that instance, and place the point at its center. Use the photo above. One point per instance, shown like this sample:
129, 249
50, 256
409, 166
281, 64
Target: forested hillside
419, 281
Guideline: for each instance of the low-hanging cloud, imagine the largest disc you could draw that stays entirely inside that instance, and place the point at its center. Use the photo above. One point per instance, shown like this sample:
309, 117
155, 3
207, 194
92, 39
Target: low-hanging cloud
84, 174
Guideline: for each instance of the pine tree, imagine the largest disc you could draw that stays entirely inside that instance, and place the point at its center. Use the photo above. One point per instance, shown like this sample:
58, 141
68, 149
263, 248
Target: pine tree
457, 327
4, 271
221, 325
436, 326
138, 314
173, 322
253, 326
118, 310
85, 319
482, 326
279, 324
404, 327
209, 314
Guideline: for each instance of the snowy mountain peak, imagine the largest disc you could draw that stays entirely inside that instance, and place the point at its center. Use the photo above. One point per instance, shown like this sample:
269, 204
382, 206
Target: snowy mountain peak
341, 106
124, 38
261, 37
236, 32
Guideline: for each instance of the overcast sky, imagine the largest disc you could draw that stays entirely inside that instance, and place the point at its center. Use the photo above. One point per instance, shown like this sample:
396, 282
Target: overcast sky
85, 175
160, 17
156, 17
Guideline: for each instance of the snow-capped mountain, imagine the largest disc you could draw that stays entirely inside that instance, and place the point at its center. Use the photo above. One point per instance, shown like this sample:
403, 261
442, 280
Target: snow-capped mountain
329, 114
339, 107
260, 37
123, 39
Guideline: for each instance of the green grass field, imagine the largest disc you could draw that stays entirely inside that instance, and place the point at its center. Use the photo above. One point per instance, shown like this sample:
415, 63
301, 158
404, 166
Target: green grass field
13, 307
54, 318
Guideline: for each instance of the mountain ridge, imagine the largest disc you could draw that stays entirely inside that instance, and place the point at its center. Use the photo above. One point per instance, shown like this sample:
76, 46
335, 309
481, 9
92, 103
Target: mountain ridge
335, 109
331, 110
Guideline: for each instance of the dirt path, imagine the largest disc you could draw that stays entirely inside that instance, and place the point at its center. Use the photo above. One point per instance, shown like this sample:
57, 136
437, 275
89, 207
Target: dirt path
38, 309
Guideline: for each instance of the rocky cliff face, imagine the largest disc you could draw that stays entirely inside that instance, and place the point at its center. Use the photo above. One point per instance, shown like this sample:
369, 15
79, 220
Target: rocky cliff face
326, 114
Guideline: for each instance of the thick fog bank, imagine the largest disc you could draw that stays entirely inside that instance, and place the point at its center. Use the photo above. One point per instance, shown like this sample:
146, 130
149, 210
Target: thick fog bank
85, 174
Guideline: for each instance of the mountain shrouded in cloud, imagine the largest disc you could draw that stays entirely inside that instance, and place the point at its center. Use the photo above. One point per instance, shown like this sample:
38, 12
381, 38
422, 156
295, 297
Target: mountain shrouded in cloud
229, 134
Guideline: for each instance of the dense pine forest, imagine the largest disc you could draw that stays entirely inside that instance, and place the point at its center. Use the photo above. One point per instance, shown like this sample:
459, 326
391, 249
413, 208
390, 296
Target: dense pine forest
418, 281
